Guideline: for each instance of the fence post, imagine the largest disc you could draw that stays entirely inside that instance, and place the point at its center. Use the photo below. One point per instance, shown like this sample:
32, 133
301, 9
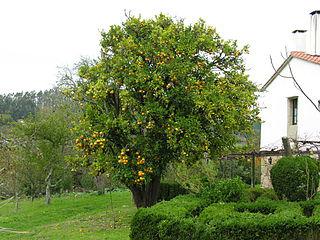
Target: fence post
286, 146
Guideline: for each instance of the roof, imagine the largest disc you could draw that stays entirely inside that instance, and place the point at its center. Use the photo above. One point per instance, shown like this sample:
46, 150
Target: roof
306, 57
295, 54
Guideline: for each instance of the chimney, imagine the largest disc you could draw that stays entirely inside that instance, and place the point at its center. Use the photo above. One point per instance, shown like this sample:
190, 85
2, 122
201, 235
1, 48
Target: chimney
299, 40
314, 34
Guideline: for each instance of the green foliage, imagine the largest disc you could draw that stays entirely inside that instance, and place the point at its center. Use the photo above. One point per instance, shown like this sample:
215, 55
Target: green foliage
5, 119
309, 206
256, 193
261, 220
228, 190
241, 167
295, 178
168, 191
193, 177
181, 229
162, 92
16, 106
144, 225
264, 207
35, 136
43, 140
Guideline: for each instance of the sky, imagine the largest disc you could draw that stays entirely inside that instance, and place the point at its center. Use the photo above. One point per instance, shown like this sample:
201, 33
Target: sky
37, 37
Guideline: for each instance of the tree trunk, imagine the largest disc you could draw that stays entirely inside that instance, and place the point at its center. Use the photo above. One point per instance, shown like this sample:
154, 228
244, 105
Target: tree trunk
146, 195
48, 187
17, 200
48, 193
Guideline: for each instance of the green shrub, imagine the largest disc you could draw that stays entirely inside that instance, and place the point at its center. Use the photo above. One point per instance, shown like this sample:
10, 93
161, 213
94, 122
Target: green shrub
260, 220
264, 207
295, 178
168, 191
216, 213
240, 167
192, 177
251, 194
228, 190
179, 229
268, 194
145, 223
309, 206
258, 193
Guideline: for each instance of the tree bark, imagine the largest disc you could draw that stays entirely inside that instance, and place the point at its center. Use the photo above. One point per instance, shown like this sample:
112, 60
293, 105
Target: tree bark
48, 187
146, 195
48, 193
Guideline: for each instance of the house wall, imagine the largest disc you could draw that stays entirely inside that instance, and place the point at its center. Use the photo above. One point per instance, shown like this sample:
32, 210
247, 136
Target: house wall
266, 166
274, 105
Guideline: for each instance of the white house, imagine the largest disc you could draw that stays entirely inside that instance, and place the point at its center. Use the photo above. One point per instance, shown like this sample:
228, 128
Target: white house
290, 99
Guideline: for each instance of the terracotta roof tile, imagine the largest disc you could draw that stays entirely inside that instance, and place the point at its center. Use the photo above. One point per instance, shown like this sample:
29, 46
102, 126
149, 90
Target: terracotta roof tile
306, 57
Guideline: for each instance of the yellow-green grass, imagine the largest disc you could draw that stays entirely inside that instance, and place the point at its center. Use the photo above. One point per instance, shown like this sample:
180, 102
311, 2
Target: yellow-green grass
76, 216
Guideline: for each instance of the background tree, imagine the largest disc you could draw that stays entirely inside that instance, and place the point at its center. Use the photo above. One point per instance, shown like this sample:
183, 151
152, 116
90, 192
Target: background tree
162, 91
43, 141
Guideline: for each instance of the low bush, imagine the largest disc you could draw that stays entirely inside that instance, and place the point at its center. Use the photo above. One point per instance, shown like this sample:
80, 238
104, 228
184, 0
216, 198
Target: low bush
221, 222
295, 178
309, 206
264, 207
228, 190
168, 191
261, 220
145, 223
253, 194
192, 177
268, 194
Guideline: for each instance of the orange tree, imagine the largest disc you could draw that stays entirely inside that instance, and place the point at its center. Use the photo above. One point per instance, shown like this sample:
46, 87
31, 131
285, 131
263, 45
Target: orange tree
162, 91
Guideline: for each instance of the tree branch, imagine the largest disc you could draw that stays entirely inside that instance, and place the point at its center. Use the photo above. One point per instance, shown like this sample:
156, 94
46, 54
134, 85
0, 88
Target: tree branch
295, 81
301, 90
271, 61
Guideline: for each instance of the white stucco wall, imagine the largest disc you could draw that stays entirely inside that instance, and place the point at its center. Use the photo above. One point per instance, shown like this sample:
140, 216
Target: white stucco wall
274, 105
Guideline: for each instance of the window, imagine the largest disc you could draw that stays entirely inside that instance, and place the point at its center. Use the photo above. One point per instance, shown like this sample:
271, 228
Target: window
294, 111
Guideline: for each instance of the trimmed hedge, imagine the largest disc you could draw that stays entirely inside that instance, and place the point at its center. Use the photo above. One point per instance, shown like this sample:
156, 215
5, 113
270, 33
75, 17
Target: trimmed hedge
257, 207
258, 193
295, 178
262, 220
145, 223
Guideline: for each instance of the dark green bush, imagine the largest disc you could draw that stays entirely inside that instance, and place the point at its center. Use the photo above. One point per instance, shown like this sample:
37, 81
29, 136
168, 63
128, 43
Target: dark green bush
228, 190
295, 178
253, 194
264, 207
179, 229
240, 167
222, 222
261, 220
145, 223
309, 206
168, 191
268, 194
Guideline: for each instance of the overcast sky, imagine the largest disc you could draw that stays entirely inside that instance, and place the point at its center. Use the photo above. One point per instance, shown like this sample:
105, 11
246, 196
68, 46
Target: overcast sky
37, 36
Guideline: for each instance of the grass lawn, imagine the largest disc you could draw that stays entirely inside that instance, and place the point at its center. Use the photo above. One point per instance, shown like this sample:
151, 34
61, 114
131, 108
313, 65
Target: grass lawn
76, 216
